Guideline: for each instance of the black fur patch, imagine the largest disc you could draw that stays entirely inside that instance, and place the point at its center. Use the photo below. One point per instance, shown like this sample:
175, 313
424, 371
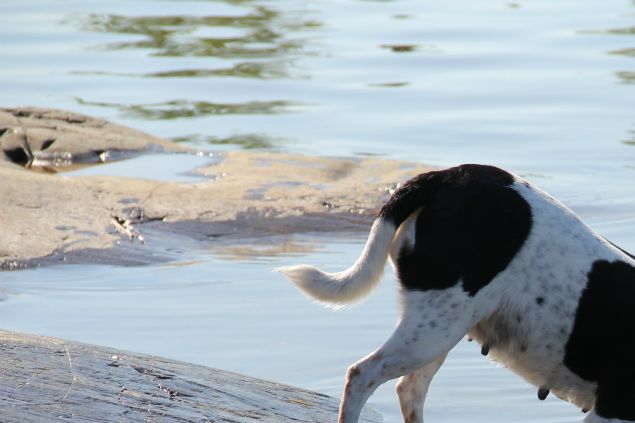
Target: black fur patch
471, 225
601, 347
414, 193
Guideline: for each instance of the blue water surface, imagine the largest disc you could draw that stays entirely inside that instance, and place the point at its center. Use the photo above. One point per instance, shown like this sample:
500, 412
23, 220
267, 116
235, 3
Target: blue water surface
543, 88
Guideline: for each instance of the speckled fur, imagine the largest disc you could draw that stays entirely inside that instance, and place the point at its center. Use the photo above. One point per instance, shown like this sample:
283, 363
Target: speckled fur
538, 309
522, 318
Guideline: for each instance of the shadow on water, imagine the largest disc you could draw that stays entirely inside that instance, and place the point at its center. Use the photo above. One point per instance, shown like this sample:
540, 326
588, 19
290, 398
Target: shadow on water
178, 109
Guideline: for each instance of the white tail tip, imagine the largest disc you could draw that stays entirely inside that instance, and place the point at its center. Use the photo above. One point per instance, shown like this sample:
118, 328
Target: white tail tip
313, 282
352, 284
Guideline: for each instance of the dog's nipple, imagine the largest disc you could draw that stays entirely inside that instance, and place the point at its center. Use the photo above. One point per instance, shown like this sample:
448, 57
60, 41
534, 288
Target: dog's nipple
543, 393
485, 349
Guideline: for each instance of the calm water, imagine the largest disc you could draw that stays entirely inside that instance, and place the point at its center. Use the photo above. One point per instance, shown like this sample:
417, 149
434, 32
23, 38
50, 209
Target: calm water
544, 88
238, 316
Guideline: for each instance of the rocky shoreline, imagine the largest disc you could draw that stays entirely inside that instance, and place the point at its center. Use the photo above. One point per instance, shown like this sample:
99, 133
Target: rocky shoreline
241, 200
50, 218
44, 379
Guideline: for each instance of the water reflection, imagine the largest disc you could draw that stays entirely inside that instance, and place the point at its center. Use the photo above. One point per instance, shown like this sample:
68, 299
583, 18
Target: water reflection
623, 31
625, 52
177, 109
262, 70
266, 249
627, 77
389, 84
245, 141
399, 48
257, 70
263, 33
410, 48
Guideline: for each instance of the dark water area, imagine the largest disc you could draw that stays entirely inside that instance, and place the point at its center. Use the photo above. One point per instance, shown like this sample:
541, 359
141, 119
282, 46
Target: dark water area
545, 89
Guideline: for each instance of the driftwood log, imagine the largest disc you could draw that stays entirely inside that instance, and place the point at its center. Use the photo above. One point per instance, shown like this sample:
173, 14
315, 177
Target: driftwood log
47, 379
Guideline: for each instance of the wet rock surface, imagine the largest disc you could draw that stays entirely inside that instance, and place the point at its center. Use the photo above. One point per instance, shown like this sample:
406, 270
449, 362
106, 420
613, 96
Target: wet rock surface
50, 139
48, 218
44, 379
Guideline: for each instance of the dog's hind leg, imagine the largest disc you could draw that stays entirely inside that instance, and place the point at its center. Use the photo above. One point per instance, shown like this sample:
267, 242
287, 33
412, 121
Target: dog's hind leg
430, 326
413, 388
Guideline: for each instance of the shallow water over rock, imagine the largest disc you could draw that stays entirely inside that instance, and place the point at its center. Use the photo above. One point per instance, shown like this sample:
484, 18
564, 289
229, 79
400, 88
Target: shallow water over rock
158, 167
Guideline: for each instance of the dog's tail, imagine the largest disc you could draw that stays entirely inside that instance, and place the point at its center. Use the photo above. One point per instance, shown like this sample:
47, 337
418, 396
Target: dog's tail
362, 277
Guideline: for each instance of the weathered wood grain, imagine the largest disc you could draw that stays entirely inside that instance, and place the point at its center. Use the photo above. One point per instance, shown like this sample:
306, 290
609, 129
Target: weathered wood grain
44, 379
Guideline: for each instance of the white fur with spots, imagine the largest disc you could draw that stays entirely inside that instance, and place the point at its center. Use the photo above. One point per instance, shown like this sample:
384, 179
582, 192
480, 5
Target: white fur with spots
523, 316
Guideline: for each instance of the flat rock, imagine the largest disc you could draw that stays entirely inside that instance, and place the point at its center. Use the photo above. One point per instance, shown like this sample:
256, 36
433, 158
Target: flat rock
44, 379
48, 217
49, 138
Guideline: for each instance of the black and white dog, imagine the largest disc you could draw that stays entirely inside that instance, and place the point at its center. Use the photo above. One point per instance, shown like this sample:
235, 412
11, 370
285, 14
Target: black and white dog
479, 251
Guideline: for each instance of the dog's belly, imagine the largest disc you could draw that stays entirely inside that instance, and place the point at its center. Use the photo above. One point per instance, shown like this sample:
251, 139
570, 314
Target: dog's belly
553, 375
538, 358
540, 293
